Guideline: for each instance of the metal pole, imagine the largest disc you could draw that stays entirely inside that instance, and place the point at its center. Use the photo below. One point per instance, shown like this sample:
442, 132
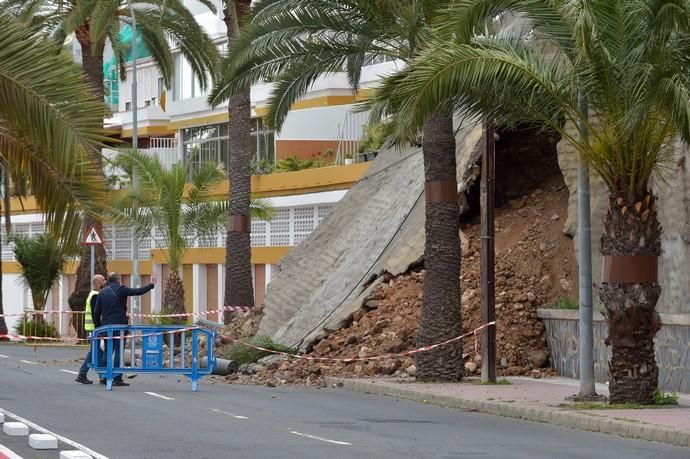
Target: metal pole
487, 254
135, 181
584, 231
93, 263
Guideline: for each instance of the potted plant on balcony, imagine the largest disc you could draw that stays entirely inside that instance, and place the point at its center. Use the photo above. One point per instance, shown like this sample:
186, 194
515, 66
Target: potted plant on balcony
372, 140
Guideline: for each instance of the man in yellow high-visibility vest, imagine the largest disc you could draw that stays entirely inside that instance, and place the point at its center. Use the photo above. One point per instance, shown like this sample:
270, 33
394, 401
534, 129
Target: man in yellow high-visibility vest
97, 283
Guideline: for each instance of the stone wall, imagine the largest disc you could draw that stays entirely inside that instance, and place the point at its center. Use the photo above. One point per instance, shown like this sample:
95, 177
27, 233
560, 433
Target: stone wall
672, 188
672, 347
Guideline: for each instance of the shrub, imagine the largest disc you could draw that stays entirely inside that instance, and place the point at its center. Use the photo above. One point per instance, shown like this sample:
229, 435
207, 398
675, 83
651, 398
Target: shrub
665, 399
36, 327
565, 303
241, 354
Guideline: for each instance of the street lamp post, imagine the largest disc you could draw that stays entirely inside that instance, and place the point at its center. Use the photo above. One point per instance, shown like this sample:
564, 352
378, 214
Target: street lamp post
135, 181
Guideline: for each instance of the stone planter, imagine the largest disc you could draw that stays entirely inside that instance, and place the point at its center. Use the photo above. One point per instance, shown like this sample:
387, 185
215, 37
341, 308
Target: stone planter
672, 347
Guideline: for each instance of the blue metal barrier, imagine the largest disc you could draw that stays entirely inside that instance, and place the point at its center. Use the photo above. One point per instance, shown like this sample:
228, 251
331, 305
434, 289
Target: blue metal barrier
149, 340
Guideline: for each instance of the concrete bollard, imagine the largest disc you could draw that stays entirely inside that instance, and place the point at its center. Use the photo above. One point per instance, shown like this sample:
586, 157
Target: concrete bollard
43, 441
223, 367
15, 429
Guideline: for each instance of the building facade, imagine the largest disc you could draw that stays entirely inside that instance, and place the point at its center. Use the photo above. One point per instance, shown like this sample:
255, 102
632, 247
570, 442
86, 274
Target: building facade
323, 125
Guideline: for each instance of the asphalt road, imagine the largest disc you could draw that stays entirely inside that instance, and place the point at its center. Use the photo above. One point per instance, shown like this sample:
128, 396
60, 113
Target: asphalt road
159, 417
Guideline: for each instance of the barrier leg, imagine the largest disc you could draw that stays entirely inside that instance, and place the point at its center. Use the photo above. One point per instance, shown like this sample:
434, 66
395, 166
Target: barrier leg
109, 362
195, 360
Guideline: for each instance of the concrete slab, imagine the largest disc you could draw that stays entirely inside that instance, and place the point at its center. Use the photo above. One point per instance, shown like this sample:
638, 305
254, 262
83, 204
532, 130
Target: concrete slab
43, 441
15, 429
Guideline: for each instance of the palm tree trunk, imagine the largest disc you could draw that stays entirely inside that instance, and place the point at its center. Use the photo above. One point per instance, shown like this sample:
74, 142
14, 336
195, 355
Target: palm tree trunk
239, 289
3, 324
632, 231
173, 293
440, 318
92, 66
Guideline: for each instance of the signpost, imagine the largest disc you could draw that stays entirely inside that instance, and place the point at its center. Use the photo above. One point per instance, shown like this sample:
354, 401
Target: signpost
93, 238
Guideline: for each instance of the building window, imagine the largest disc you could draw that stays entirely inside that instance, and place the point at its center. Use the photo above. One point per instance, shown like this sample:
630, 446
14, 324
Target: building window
161, 86
209, 144
128, 106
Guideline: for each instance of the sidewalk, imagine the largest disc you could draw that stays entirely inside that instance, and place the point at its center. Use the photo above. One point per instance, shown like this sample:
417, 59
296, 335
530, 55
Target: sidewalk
539, 400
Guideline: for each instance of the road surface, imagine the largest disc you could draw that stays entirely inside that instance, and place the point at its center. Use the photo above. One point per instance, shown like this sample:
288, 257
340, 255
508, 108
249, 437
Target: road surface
159, 417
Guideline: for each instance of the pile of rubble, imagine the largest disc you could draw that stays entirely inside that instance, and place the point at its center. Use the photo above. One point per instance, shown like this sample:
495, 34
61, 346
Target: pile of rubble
535, 266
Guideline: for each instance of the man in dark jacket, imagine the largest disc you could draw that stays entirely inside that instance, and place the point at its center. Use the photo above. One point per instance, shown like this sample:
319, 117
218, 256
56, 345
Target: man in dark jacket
111, 309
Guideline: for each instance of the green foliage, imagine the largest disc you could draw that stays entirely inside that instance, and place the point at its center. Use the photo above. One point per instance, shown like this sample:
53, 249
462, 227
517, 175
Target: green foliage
565, 303
158, 21
293, 163
629, 58
499, 382
242, 354
41, 259
263, 167
373, 138
662, 399
50, 123
159, 320
36, 327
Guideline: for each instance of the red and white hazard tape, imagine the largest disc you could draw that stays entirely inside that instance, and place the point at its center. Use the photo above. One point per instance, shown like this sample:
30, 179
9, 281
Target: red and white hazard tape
376, 357
69, 339
285, 354
184, 314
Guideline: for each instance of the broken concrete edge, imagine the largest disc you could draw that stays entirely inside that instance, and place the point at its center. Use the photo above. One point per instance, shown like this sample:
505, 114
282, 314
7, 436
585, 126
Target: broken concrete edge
529, 412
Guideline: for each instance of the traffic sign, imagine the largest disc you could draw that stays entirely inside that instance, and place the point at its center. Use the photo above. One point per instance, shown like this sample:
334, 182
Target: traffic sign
92, 237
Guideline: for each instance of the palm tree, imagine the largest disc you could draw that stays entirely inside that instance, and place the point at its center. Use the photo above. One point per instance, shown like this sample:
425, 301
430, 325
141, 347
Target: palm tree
630, 58
179, 213
95, 23
294, 42
49, 125
239, 289
42, 260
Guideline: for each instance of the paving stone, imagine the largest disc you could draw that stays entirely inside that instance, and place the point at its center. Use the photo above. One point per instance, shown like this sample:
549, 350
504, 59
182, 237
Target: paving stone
43, 441
15, 429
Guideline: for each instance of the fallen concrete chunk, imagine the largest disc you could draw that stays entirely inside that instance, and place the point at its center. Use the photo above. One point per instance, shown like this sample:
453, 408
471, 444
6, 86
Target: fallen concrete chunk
15, 429
43, 441
74, 454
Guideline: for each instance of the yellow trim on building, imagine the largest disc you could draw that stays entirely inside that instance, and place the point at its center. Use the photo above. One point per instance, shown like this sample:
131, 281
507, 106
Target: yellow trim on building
216, 255
149, 131
198, 121
205, 256
279, 184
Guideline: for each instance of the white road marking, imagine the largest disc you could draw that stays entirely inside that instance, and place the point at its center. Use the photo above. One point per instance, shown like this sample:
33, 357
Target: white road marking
72, 372
236, 416
29, 362
65, 440
8, 453
159, 396
3, 356
314, 437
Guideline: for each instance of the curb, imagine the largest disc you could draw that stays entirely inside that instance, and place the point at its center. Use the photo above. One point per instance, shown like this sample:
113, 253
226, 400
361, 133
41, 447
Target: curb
528, 412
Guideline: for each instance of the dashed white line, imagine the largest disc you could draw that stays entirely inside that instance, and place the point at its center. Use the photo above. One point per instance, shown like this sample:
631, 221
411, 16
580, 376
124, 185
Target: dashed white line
314, 437
3, 356
236, 416
29, 362
65, 440
72, 372
153, 394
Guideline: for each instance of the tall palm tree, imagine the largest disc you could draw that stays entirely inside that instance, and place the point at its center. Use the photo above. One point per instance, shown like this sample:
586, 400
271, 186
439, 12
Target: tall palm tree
49, 125
180, 214
630, 58
97, 22
239, 289
294, 42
